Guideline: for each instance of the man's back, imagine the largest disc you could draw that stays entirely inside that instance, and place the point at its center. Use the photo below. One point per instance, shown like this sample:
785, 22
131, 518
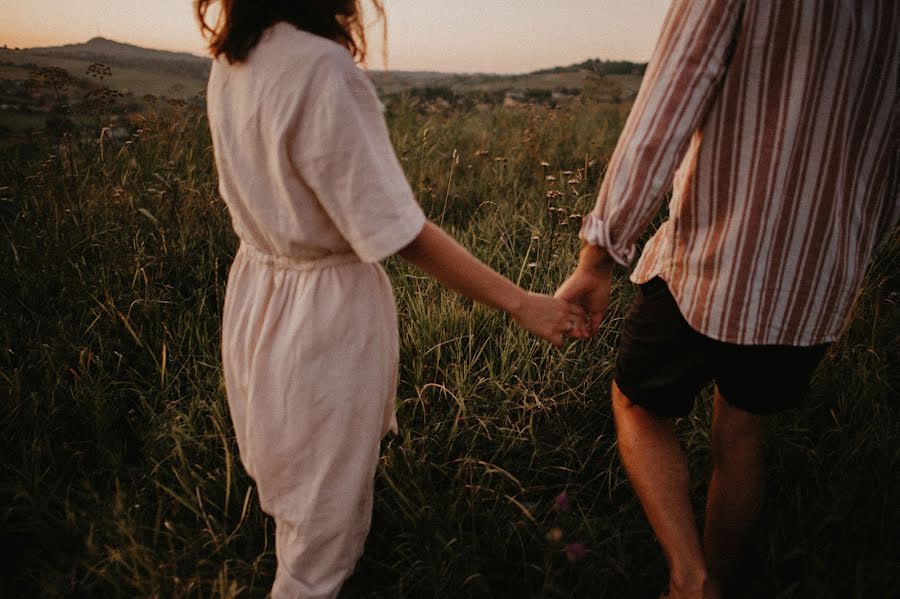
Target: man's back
788, 110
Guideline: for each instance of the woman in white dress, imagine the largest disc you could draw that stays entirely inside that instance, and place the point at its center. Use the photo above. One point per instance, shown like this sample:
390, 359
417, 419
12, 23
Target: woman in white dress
309, 335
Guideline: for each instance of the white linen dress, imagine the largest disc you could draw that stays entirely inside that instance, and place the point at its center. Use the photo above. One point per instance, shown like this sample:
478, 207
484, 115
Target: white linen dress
309, 335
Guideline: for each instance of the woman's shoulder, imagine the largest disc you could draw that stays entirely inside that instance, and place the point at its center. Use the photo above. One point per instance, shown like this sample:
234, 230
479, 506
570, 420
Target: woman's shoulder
296, 51
291, 71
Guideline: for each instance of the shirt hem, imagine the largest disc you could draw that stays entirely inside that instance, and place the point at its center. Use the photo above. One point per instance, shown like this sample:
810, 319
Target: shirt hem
739, 339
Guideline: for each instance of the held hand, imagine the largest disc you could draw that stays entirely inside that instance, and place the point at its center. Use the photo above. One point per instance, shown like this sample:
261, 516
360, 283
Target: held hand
588, 287
551, 318
439, 255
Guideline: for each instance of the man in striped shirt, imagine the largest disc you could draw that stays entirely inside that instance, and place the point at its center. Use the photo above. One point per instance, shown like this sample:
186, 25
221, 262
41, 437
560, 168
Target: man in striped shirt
776, 122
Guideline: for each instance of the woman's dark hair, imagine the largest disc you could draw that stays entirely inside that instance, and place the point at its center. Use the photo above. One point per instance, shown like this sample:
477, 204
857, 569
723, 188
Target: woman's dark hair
241, 23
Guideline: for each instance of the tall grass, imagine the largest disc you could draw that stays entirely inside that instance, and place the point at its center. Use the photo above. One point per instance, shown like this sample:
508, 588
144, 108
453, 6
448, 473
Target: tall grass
120, 474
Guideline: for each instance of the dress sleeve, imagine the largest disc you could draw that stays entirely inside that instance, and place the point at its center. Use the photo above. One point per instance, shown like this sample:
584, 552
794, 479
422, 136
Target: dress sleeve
682, 79
343, 152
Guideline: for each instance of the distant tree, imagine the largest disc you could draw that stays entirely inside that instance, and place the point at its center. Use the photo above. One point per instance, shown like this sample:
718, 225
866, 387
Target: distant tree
538, 95
601, 67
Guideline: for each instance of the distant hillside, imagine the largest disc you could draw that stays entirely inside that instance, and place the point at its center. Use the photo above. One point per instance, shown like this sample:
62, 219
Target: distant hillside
141, 71
100, 46
135, 70
565, 82
117, 54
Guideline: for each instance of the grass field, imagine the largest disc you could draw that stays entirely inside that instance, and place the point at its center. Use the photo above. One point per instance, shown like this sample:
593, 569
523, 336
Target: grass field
119, 469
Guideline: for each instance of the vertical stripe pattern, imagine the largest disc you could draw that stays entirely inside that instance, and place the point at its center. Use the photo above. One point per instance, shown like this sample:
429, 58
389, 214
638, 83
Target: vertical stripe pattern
775, 122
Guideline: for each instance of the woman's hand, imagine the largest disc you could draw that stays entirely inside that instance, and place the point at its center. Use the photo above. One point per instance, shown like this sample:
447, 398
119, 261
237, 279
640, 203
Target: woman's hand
550, 318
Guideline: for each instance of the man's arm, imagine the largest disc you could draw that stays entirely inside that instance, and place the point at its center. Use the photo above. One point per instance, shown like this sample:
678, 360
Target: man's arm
680, 85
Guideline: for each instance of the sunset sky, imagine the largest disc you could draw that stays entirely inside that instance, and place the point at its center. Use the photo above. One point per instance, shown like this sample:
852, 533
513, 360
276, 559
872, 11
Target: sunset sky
501, 36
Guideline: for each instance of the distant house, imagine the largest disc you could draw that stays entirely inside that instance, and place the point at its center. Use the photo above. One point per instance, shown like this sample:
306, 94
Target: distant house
561, 96
513, 99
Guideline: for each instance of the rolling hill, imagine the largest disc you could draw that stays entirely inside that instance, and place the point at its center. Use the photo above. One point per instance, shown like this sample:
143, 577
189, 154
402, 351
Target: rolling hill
142, 70
133, 69
137, 72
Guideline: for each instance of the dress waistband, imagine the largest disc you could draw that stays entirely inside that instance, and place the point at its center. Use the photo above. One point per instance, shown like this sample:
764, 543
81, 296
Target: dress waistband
297, 263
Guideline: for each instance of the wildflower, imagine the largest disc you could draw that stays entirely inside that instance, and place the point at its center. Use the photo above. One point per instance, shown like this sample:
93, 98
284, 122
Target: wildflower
544, 163
554, 535
575, 552
550, 178
562, 503
567, 173
532, 264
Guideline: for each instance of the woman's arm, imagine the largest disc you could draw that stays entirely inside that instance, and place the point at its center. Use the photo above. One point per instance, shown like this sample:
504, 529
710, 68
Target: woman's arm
443, 258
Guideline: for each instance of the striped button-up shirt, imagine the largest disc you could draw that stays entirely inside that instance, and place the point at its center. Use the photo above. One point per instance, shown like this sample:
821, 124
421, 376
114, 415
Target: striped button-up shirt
776, 124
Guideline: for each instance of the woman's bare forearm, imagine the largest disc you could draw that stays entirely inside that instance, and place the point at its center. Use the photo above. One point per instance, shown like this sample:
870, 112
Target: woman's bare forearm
443, 258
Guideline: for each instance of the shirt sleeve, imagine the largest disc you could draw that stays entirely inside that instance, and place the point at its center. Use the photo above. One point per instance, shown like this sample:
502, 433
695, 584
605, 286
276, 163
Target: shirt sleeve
343, 152
681, 82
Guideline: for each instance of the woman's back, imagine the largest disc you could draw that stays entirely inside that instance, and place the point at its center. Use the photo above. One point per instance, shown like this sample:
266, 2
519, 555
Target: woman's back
304, 160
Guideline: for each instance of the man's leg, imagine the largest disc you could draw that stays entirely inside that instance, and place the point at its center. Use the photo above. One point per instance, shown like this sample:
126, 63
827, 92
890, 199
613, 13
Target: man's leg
657, 468
737, 487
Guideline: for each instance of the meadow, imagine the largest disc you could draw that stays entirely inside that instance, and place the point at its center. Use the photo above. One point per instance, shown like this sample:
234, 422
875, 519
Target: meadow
120, 475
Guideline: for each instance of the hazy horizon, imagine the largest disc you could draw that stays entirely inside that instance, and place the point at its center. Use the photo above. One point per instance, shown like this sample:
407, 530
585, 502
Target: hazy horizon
468, 36
377, 67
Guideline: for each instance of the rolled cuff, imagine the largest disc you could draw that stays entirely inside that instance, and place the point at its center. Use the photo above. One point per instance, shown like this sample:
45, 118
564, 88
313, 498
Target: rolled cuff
595, 232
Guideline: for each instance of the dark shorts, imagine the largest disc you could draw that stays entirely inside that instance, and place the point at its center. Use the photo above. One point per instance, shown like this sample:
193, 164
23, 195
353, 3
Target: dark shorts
663, 363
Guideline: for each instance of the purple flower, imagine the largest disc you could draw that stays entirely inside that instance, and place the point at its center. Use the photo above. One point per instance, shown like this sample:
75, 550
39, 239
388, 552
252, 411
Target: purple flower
575, 552
562, 503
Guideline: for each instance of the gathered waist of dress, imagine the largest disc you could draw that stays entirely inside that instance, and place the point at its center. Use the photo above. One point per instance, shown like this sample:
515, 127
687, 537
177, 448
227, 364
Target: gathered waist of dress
297, 262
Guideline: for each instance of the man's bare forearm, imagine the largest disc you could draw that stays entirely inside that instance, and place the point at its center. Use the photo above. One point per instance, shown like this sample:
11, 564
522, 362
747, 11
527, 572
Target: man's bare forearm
594, 258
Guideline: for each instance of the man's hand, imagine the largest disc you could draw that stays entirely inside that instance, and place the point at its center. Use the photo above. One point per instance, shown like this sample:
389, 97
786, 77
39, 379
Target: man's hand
589, 285
550, 318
